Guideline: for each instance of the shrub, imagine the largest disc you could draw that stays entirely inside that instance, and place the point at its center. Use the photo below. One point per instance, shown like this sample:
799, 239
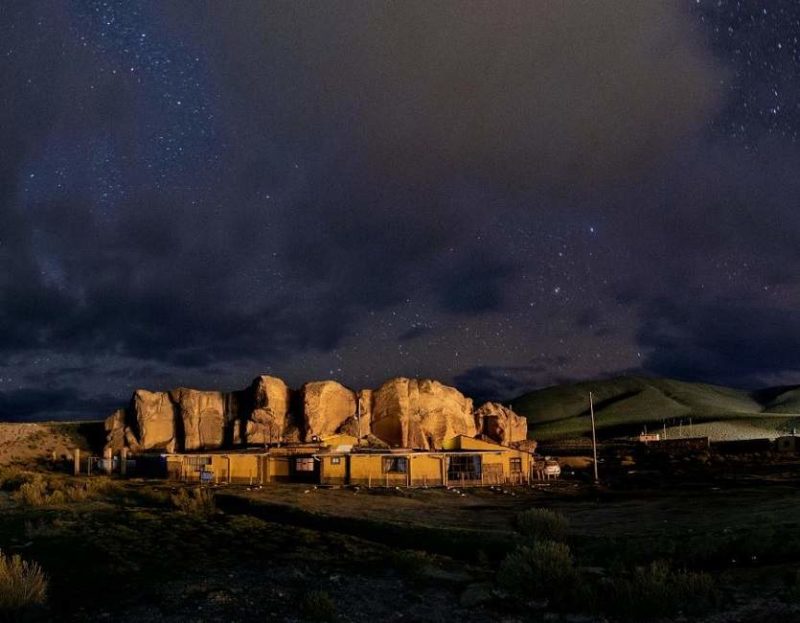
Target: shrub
12, 478
318, 606
543, 569
22, 584
197, 501
540, 524
656, 590
410, 562
38, 491
33, 493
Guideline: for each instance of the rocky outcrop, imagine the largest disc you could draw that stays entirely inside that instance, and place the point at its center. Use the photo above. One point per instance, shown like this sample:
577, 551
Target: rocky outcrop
411, 413
327, 405
420, 413
202, 417
115, 430
500, 424
155, 415
270, 416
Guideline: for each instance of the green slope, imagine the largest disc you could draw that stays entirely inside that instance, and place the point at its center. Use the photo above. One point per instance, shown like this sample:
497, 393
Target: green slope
625, 405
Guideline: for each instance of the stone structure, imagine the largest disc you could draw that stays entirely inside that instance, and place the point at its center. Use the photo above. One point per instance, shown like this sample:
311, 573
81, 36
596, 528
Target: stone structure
401, 413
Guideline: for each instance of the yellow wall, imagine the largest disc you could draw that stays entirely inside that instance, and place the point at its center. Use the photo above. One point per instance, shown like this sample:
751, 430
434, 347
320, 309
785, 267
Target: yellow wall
331, 472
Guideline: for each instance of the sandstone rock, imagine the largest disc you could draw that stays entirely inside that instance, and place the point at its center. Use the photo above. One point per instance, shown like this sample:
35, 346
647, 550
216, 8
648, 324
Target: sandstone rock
155, 415
115, 430
269, 419
327, 405
420, 413
501, 424
203, 416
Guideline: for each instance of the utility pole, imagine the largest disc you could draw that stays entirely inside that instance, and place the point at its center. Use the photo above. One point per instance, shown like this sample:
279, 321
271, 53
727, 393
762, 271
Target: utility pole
594, 438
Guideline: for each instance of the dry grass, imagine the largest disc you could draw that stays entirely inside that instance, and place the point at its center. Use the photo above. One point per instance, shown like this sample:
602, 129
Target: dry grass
198, 501
22, 584
54, 490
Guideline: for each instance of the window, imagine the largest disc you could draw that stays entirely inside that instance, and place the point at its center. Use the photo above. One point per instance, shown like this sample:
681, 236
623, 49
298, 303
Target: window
464, 467
335, 460
395, 465
515, 465
304, 464
198, 462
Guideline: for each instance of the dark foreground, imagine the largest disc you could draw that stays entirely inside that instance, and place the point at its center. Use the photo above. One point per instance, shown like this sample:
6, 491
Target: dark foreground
148, 551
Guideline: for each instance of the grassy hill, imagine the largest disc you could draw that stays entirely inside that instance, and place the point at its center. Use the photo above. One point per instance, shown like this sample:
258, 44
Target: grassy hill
626, 405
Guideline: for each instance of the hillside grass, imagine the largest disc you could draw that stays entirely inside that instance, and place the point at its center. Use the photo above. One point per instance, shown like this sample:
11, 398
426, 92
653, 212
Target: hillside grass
625, 405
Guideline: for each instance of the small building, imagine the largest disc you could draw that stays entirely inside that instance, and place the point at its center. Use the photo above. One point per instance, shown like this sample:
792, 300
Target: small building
338, 460
649, 437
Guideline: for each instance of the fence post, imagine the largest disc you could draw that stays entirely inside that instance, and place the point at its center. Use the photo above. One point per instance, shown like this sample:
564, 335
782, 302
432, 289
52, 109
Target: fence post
108, 460
76, 459
123, 462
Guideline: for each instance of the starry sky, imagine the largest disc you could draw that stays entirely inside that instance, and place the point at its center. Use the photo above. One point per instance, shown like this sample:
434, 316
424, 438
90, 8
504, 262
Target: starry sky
500, 195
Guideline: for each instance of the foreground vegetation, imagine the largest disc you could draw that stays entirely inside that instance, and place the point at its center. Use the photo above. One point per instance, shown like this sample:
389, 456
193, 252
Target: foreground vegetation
92, 549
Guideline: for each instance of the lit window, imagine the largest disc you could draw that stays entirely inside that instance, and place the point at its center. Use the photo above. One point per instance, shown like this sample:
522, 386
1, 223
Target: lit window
304, 465
335, 460
516, 466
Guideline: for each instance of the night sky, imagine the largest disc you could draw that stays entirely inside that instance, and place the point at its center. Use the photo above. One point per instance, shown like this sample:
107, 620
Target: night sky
502, 196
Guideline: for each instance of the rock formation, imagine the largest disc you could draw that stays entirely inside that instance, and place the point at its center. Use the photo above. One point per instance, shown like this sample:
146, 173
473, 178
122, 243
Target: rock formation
500, 423
202, 417
412, 413
269, 419
327, 405
155, 416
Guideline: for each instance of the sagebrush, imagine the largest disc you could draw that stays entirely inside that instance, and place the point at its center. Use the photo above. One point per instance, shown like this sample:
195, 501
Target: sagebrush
22, 584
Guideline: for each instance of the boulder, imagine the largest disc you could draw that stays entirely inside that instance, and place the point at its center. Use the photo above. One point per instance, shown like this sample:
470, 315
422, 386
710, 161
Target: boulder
327, 405
500, 423
115, 430
420, 413
203, 416
154, 413
269, 419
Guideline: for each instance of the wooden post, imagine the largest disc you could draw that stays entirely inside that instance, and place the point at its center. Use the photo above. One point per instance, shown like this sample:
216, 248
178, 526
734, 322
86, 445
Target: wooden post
594, 437
123, 462
76, 458
108, 460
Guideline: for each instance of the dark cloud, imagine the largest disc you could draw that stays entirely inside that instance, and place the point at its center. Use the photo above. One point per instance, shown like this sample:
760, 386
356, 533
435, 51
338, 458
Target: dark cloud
728, 341
193, 194
503, 383
53, 403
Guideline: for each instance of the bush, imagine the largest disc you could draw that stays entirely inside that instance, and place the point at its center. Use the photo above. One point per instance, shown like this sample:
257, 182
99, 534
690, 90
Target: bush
410, 562
197, 501
318, 606
540, 524
656, 590
12, 478
22, 584
543, 569
33, 493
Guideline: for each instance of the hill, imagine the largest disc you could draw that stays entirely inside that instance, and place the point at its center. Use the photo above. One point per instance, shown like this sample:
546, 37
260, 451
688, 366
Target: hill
627, 405
27, 443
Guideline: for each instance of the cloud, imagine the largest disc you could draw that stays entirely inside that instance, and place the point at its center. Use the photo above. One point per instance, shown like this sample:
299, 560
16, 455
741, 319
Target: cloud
514, 92
732, 341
